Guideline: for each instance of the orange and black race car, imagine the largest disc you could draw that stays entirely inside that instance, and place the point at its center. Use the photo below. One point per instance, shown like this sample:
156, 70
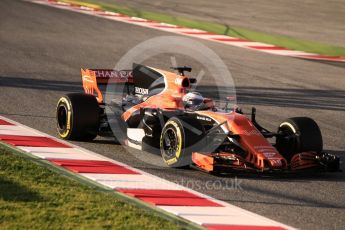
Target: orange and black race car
153, 108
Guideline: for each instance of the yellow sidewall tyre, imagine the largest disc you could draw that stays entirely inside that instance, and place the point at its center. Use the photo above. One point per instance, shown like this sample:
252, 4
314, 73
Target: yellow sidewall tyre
298, 134
177, 143
77, 117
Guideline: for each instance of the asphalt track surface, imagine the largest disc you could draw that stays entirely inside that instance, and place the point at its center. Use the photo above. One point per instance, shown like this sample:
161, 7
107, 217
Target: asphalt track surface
311, 20
43, 49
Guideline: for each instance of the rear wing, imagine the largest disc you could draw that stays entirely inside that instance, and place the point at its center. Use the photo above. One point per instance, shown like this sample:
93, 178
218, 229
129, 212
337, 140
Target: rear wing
92, 78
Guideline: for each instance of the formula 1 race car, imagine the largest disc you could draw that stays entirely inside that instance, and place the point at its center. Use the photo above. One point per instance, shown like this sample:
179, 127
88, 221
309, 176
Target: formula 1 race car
160, 109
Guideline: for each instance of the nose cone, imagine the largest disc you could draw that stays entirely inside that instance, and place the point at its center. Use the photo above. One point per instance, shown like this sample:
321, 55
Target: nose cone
259, 151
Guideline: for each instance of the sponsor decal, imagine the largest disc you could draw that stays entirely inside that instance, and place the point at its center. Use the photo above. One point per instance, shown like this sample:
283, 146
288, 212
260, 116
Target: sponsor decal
275, 162
269, 154
87, 79
141, 91
179, 136
203, 118
268, 151
263, 147
171, 161
253, 132
117, 76
68, 123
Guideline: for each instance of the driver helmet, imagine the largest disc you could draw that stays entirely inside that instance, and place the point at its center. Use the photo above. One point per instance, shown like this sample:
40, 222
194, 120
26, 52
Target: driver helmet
192, 100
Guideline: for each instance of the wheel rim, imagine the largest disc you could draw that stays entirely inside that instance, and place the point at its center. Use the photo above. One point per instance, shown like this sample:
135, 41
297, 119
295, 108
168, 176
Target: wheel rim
287, 143
62, 117
170, 142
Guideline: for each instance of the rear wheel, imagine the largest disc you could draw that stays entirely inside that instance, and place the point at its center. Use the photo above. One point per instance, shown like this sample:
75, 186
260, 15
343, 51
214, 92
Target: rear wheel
178, 142
77, 117
298, 134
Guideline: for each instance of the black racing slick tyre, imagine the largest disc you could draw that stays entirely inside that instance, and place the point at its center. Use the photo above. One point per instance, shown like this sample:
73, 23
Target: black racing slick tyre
77, 117
179, 138
298, 134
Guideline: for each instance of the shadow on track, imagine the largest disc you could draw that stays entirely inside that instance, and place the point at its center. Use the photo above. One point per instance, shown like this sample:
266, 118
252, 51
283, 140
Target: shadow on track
285, 97
40, 84
279, 97
332, 63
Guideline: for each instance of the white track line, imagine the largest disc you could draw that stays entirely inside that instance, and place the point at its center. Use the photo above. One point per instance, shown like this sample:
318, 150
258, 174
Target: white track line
15, 130
60, 153
216, 215
131, 181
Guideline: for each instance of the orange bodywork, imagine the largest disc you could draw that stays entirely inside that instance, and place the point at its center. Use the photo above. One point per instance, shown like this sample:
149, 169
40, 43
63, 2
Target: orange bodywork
259, 151
205, 162
169, 99
91, 78
208, 162
243, 142
90, 84
303, 160
258, 148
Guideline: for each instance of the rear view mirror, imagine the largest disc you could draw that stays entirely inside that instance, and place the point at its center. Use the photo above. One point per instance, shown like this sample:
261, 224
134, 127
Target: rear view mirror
192, 80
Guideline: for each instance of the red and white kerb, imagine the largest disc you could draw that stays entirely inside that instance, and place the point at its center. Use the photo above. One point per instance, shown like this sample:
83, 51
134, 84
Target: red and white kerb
170, 197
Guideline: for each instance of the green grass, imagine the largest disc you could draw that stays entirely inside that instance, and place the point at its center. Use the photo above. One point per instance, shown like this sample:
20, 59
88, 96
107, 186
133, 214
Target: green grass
279, 40
34, 197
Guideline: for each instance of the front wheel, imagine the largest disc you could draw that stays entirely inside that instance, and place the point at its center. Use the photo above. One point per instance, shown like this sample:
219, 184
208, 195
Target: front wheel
178, 142
298, 134
77, 117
